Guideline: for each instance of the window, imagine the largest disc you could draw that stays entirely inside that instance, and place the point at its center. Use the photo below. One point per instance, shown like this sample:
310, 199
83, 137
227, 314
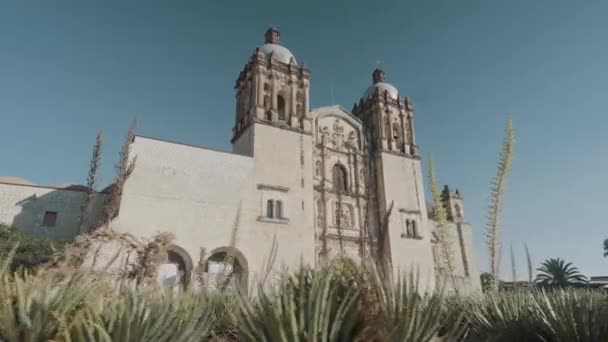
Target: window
279, 209
270, 208
339, 178
50, 218
414, 229
457, 210
396, 131
281, 107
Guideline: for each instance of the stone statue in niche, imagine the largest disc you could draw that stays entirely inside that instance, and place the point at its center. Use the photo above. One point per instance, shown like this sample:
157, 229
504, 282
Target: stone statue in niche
320, 217
343, 216
346, 217
324, 134
363, 177
352, 141
338, 135
318, 168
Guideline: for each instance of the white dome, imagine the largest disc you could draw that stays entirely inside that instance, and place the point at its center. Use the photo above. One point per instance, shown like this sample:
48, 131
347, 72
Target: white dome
382, 87
278, 52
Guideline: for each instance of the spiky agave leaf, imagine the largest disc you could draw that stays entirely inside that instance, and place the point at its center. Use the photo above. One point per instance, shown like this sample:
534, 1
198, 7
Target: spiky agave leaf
408, 315
41, 308
147, 314
309, 306
529, 263
492, 232
574, 315
504, 317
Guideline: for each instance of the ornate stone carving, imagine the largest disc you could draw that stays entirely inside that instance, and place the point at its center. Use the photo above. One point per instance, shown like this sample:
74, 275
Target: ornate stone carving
343, 215
338, 135
324, 134
351, 142
320, 216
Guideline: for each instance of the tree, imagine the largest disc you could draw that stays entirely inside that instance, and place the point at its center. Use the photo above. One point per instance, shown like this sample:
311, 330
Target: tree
605, 248
496, 201
92, 180
558, 273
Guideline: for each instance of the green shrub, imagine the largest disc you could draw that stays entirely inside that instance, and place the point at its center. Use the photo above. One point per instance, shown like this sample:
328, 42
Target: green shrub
31, 251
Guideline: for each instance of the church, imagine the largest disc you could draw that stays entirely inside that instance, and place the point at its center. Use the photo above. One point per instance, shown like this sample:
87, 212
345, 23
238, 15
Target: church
312, 184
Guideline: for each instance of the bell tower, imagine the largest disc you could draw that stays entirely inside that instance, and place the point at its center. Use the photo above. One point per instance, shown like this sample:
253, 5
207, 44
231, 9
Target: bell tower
389, 116
403, 227
272, 89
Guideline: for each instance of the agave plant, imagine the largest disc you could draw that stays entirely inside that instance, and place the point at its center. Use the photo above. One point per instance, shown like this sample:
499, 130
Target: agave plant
307, 307
558, 273
408, 315
148, 314
510, 316
574, 315
37, 308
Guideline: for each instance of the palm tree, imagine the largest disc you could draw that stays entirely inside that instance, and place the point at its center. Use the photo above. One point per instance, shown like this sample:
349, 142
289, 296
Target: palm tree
558, 273
605, 248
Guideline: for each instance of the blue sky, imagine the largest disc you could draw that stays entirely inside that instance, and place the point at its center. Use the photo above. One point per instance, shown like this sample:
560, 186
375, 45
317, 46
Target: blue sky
68, 69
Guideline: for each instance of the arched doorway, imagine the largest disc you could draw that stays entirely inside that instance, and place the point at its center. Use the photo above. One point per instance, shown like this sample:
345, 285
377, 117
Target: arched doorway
226, 268
178, 256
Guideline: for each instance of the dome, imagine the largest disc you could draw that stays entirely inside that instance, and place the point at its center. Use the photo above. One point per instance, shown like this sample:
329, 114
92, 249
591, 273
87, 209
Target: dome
382, 86
278, 52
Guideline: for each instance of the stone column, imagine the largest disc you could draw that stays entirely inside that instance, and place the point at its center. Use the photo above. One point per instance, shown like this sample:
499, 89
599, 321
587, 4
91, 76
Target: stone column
259, 103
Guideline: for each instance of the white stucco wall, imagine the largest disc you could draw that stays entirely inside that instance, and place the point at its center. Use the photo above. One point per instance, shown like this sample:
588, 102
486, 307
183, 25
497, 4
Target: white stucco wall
24, 206
403, 185
201, 195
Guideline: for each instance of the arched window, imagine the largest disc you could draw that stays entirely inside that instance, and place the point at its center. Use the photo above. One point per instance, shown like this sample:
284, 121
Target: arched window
396, 131
281, 107
340, 179
457, 210
279, 209
270, 208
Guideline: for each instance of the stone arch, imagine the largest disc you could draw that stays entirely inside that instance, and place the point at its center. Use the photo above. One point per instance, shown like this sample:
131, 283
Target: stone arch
177, 255
230, 260
282, 106
340, 178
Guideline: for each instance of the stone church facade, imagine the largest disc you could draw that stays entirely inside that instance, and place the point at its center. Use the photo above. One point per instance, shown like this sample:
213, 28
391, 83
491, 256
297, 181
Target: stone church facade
315, 184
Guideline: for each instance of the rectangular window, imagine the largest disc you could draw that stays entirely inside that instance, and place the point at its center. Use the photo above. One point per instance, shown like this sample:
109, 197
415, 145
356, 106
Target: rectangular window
50, 218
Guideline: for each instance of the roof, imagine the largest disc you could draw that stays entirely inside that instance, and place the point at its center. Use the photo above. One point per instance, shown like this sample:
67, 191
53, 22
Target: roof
15, 180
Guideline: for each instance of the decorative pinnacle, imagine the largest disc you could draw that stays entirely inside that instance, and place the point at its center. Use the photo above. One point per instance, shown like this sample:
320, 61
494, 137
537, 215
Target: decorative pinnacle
273, 36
